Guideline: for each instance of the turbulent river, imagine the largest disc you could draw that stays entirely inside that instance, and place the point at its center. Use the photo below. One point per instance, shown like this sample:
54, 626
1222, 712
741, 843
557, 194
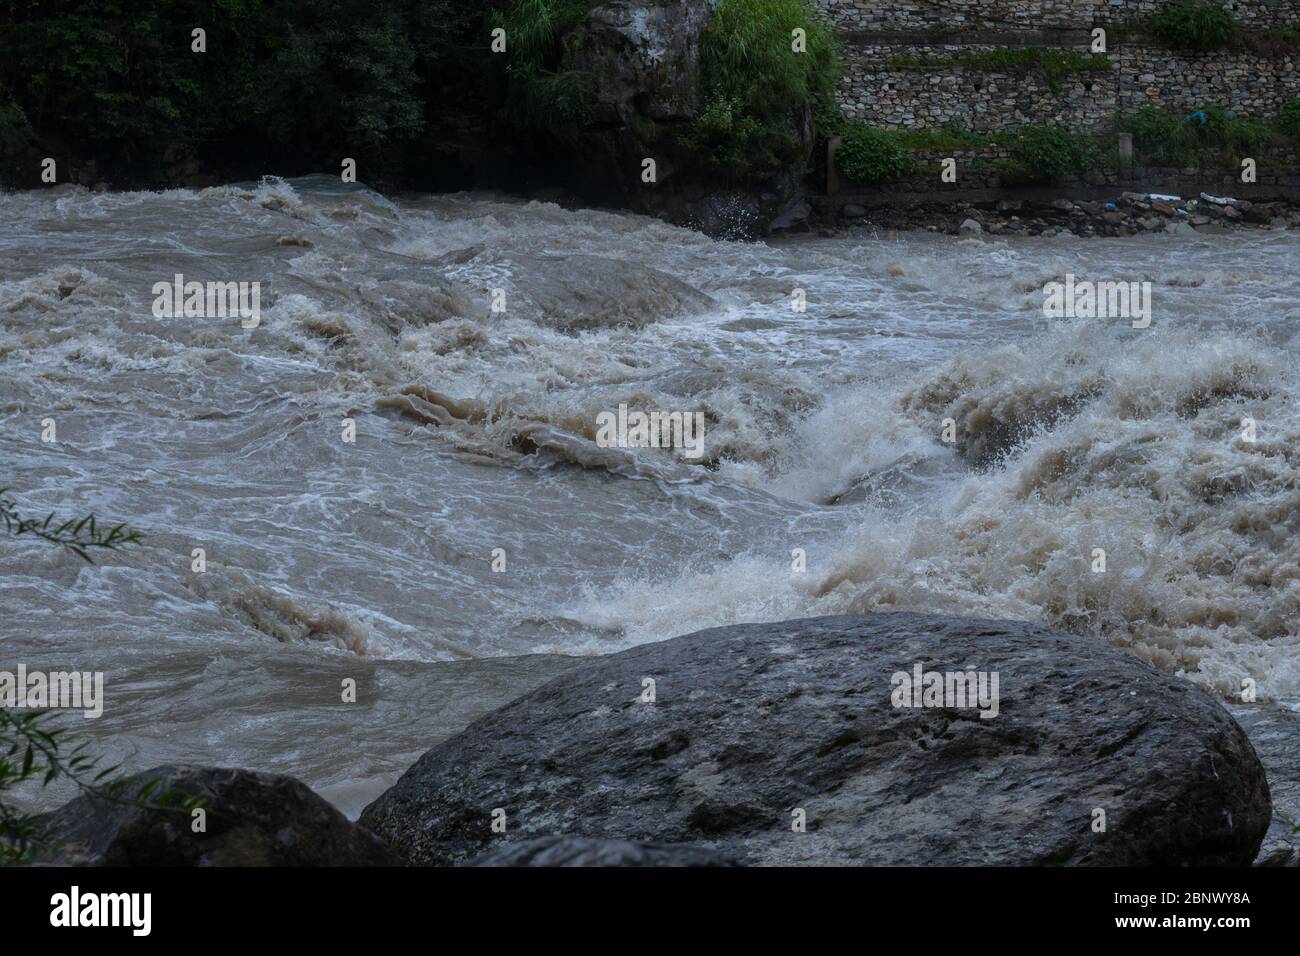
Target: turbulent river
475, 537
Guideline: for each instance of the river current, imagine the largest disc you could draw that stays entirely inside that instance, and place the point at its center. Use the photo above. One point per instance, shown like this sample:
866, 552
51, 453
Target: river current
472, 536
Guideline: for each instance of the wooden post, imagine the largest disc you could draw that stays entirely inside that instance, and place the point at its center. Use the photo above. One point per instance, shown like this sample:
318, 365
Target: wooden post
1125, 153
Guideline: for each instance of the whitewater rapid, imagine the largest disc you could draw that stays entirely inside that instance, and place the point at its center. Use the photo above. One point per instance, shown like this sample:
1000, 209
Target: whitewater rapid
475, 536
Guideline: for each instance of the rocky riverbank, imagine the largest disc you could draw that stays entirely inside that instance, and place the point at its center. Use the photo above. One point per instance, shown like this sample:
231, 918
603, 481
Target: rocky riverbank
794, 743
1127, 214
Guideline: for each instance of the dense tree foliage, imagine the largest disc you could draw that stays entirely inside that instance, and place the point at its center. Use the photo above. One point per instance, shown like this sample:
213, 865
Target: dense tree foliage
296, 85
295, 81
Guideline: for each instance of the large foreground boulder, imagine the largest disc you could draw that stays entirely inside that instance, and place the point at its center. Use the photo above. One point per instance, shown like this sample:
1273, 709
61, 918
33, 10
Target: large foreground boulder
1084, 755
252, 819
583, 851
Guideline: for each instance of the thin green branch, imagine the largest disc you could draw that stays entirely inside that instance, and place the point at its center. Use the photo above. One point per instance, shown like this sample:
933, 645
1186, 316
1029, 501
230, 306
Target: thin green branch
77, 535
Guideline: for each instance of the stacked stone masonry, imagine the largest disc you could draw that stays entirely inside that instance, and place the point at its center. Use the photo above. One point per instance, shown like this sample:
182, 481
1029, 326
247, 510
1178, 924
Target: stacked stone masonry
919, 97
1140, 74
852, 15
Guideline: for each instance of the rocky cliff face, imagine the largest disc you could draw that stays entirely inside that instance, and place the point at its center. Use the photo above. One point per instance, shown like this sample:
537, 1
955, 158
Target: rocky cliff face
644, 57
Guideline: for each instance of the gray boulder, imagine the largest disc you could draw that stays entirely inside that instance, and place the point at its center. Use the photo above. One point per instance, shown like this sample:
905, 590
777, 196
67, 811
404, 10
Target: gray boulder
1260, 213
751, 724
646, 54
970, 227
584, 851
794, 217
1274, 732
252, 819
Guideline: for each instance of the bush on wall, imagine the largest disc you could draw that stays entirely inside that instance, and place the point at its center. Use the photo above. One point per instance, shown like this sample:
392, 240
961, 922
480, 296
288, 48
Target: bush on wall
1041, 153
1172, 139
869, 155
1194, 25
1289, 119
758, 89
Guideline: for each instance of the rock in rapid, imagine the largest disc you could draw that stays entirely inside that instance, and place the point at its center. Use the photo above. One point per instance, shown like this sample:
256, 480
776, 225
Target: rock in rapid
251, 819
1066, 751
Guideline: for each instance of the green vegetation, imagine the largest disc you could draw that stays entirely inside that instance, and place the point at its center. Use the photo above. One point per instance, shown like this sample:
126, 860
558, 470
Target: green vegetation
829, 119
1276, 41
755, 87
1055, 65
1288, 120
1206, 137
540, 94
300, 83
343, 69
869, 155
949, 137
295, 85
726, 137
288, 82
1202, 26
758, 88
1194, 25
1209, 134
15, 134
32, 749
15, 131
1040, 153
534, 27
76, 535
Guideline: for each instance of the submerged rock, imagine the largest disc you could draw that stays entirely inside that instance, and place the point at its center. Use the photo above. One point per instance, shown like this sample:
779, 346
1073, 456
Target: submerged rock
584, 851
576, 293
1086, 755
252, 819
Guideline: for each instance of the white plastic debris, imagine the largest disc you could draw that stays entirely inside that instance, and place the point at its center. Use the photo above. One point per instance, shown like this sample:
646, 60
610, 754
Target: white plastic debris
1226, 201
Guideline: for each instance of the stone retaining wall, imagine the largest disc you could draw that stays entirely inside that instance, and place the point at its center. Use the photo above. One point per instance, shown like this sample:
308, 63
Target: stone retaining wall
922, 97
880, 93
1246, 84
1028, 14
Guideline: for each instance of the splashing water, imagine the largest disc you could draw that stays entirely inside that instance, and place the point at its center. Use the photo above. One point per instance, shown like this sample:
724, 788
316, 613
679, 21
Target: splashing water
473, 341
